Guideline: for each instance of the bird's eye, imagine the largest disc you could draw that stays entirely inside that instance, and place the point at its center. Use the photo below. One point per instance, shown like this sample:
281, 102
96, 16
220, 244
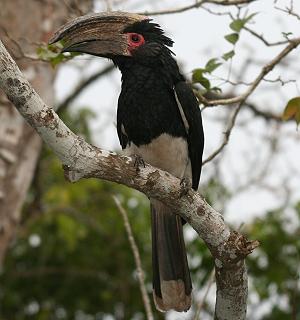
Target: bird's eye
135, 38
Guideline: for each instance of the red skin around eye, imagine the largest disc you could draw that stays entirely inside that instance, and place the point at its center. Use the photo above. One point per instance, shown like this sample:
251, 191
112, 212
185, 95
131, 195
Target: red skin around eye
132, 45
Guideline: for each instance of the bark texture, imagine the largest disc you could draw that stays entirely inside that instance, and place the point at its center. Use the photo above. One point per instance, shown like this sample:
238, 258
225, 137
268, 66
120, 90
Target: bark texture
23, 26
82, 160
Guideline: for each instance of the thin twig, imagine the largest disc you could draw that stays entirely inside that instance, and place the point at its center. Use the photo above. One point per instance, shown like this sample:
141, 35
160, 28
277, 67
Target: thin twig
200, 305
137, 258
75, 8
267, 115
293, 43
108, 5
266, 42
289, 10
227, 134
242, 98
197, 5
82, 86
215, 13
21, 53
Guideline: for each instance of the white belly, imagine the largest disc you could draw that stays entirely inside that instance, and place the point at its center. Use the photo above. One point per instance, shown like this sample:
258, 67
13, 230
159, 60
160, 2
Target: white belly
165, 152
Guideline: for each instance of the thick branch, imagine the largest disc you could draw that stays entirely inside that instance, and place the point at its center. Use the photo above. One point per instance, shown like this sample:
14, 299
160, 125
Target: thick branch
82, 160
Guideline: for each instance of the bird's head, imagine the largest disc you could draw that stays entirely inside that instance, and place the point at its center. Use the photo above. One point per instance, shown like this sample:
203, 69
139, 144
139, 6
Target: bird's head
112, 35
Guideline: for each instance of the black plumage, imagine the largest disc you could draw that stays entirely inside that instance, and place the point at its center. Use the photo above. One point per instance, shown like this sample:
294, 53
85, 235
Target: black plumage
158, 119
155, 100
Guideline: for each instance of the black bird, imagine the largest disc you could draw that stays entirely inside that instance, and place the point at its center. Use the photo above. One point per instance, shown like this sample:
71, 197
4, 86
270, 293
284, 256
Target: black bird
158, 119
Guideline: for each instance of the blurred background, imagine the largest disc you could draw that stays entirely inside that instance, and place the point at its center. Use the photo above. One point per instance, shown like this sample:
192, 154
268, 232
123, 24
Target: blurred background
64, 250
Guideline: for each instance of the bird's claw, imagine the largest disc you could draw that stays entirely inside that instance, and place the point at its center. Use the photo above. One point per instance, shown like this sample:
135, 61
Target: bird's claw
185, 185
138, 161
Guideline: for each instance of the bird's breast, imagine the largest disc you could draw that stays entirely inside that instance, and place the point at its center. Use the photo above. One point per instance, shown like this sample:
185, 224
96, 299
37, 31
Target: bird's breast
166, 152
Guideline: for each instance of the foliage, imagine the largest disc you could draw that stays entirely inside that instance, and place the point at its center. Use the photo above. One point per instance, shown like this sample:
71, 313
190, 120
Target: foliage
52, 53
274, 268
292, 110
200, 74
238, 24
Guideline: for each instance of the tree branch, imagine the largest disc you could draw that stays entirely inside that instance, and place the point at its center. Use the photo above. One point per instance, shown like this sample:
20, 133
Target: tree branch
197, 4
266, 42
293, 43
242, 98
227, 134
137, 259
83, 85
201, 302
289, 10
82, 160
267, 115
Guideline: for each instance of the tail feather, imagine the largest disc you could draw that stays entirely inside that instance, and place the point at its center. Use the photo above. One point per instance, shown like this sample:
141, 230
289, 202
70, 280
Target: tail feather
171, 277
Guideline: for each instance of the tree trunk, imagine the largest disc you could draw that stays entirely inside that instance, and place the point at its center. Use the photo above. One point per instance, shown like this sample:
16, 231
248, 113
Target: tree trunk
23, 25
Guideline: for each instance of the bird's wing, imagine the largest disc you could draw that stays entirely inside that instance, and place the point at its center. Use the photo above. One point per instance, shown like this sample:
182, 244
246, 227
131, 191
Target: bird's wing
123, 138
191, 116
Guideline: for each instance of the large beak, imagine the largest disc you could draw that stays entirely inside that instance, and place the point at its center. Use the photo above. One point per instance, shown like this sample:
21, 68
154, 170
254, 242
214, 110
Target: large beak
100, 34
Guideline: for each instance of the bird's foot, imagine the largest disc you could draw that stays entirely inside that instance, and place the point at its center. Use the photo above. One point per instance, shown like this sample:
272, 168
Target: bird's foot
185, 184
138, 161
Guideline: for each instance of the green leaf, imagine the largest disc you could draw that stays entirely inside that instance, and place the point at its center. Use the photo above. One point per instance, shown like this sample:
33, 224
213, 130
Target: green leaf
52, 53
232, 37
228, 55
45, 53
212, 65
57, 60
205, 83
292, 110
286, 35
237, 25
199, 78
197, 74
247, 19
216, 90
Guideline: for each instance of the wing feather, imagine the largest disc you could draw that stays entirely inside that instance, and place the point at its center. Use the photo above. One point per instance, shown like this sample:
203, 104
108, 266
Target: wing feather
192, 119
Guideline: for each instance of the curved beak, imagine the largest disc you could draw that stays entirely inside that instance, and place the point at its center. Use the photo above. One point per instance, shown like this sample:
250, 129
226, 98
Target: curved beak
100, 34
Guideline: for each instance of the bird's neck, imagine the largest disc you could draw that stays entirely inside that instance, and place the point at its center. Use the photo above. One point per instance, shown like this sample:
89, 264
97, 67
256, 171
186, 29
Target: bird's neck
163, 68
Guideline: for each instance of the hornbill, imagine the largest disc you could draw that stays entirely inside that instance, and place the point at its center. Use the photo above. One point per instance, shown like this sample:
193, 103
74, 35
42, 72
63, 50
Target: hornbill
158, 119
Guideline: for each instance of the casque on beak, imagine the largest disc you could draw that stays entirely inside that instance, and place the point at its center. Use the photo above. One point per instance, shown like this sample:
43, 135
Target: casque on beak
100, 34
